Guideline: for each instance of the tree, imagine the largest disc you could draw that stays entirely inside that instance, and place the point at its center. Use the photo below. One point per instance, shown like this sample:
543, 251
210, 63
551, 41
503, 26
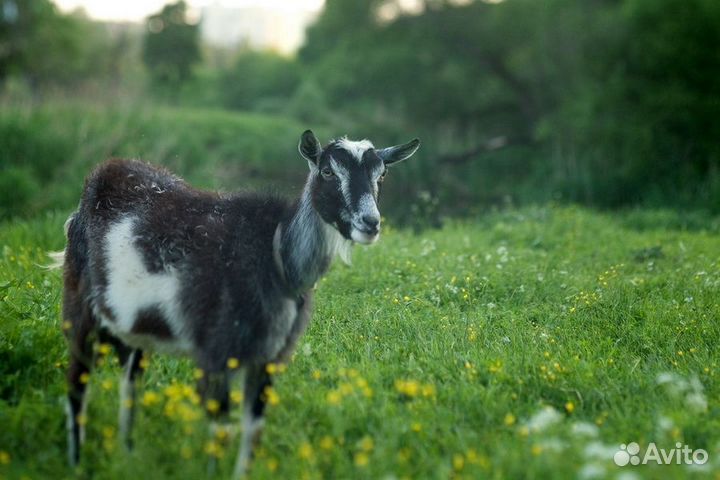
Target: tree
171, 45
42, 46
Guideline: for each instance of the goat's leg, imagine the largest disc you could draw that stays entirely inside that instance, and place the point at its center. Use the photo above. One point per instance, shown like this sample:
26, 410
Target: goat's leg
78, 375
257, 380
214, 388
130, 360
126, 414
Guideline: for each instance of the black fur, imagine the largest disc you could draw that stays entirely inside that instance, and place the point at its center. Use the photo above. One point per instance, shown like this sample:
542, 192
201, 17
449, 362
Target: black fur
238, 297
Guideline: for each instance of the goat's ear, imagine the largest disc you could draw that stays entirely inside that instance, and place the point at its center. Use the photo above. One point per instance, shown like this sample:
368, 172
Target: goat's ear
398, 153
309, 147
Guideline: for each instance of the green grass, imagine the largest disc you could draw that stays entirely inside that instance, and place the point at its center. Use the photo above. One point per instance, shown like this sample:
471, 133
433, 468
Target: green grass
428, 358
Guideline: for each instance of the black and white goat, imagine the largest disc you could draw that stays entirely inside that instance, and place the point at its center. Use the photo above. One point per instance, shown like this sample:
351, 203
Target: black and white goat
154, 264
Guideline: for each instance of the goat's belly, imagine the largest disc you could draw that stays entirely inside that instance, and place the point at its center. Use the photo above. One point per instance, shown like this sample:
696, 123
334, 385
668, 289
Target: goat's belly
140, 307
148, 328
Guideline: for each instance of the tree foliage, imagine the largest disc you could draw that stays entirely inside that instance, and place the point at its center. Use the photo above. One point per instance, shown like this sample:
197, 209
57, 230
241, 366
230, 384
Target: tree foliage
259, 80
44, 47
603, 101
171, 45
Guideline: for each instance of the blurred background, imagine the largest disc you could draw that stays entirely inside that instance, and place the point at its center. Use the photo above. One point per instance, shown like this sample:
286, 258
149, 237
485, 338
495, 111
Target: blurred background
606, 103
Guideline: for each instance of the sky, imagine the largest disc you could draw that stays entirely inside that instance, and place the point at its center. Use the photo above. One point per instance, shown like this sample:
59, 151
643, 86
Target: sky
137, 10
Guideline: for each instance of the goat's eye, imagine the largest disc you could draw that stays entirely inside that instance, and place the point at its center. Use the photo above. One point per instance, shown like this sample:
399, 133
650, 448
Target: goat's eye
327, 172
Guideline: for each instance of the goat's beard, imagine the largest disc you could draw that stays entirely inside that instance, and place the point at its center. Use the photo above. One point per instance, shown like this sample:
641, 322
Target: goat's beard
363, 238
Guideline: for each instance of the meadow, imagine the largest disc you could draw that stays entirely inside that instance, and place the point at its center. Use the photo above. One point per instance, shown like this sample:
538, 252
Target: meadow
545, 291
523, 343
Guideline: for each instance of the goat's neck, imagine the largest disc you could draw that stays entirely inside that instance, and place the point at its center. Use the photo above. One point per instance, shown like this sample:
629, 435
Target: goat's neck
304, 245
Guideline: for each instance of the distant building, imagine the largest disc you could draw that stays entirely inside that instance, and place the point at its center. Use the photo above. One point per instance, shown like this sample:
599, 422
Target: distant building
256, 27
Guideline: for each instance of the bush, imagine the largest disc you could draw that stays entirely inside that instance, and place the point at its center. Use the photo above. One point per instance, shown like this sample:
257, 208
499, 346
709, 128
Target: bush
259, 78
47, 151
17, 188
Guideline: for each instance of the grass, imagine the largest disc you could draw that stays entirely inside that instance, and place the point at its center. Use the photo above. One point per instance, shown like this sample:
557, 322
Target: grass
524, 344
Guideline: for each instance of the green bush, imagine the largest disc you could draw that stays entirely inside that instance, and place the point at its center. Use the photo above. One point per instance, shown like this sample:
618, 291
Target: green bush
54, 147
17, 188
260, 79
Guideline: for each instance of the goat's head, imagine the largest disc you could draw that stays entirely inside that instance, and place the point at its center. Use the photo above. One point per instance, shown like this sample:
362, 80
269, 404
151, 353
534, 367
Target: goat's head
345, 182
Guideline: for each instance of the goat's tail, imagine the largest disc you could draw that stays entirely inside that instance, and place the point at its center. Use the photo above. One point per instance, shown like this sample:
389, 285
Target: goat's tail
57, 258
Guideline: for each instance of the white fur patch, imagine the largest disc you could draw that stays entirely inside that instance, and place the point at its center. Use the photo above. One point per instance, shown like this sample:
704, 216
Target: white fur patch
132, 288
57, 260
355, 148
363, 238
367, 206
303, 224
344, 176
277, 256
337, 244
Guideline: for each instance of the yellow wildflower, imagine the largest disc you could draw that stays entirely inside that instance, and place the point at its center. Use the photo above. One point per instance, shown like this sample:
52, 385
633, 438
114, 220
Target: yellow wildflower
150, 398
333, 397
366, 444
144, 362
221, 433
509, 419
407, 387
236, 396
305, 451
214, 449
271, 395
327, 443
174, 392
361, 459
458, 461
403, 455
233, 363
212, 405
428, 390
186, 452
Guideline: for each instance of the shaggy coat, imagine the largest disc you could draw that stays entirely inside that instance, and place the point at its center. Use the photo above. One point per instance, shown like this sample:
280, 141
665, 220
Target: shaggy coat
153, 264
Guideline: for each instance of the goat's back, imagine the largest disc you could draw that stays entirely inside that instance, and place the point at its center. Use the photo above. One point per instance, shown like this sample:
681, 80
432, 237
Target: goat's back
164, 266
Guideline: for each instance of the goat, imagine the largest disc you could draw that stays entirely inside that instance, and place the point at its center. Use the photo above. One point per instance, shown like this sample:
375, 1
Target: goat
152, 264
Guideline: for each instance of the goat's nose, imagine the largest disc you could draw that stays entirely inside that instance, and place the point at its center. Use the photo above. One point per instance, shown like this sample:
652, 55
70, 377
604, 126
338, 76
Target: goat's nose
371, 222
